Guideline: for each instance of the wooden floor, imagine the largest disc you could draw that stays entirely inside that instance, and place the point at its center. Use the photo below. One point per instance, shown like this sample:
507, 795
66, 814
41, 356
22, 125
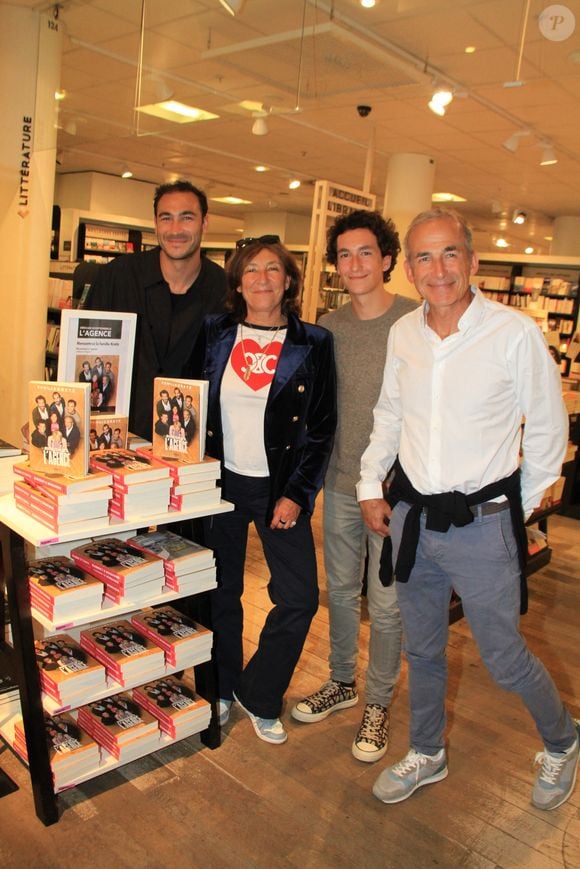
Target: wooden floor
308, 803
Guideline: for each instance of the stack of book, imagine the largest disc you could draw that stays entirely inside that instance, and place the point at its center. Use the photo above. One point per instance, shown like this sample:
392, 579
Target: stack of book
9, 698
194, 484
127, 655
68, 674
184, 641
189, 567
61, 591
72, 752
120, 726
61, 503
141, 485
174, 703
129, 574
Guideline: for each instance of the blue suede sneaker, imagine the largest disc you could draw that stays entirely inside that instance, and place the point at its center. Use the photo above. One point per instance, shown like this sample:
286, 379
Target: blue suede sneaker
268, 729
224, 709
397, 783
557, 776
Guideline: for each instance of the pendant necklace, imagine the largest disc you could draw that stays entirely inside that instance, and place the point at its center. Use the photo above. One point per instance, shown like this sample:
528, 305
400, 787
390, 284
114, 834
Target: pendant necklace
249, 369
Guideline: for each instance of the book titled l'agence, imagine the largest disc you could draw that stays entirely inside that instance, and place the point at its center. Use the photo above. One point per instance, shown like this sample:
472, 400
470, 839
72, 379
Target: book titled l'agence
179, 419
58, 418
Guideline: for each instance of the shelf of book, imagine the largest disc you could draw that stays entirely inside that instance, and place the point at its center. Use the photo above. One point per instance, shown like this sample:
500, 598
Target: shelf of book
39, 535
17, 533
113, 687
111, 610
108, 763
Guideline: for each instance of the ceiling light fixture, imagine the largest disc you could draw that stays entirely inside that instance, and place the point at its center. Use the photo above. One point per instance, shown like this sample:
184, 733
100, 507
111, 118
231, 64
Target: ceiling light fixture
447, 197
519, 217
470, 49
234, 7
442, 97
231, 200
548, 155
294, 184
529, 249
179, 113
501, 242
512, 142
367, 4
260, 127
126, 172
260, 168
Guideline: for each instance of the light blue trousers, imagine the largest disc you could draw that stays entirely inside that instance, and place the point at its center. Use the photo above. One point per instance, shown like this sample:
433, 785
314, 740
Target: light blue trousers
346, 539
480, 562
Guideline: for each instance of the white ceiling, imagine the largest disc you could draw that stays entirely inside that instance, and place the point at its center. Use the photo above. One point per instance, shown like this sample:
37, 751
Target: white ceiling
329, 57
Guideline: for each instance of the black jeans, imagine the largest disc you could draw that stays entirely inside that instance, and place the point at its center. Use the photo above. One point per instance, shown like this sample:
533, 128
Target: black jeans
293, 589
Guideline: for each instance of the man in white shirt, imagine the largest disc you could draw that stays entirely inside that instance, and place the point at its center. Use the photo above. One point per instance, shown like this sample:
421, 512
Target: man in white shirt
461, 371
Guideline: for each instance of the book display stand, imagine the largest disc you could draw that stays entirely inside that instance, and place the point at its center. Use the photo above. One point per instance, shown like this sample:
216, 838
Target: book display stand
22, 539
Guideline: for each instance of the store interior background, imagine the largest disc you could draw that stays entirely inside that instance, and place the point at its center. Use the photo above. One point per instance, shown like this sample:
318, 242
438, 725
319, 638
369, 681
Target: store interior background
299, 70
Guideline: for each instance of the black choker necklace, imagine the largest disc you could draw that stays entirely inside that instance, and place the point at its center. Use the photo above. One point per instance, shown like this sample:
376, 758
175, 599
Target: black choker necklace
265, 328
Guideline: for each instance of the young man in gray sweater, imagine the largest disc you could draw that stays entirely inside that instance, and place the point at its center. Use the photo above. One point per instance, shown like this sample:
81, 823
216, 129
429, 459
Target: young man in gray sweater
364, 247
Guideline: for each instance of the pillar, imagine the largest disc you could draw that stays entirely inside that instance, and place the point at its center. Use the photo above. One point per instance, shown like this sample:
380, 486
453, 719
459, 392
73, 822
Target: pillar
409, 189
29, 77
566, 236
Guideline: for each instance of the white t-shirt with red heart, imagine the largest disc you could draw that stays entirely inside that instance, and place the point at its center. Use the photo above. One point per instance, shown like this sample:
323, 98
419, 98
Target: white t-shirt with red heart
244, 393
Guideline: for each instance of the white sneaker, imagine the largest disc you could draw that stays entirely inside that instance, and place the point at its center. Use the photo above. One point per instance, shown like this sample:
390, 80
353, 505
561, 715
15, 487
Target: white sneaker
267, 729
224, 709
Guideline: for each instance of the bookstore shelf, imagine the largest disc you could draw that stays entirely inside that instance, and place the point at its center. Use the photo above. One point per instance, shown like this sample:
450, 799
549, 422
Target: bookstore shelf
109, 763
18, 533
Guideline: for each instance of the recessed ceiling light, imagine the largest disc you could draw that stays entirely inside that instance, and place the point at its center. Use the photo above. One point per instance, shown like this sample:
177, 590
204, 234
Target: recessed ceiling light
548, 238
231, 200
367, 4
294, 184
126, 172
179, 113
501, 242
470, 49
447, 197
529, 249
60, 95
261, 168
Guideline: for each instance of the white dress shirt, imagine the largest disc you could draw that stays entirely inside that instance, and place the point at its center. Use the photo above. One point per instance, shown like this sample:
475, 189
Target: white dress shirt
452, 408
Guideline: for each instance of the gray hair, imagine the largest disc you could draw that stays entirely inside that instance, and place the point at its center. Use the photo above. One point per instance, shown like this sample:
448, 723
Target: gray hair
440, 214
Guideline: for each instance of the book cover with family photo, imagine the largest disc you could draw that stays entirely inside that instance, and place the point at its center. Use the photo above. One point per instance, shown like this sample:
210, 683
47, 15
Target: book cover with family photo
96, 348
179, 419
108, 432
58, 419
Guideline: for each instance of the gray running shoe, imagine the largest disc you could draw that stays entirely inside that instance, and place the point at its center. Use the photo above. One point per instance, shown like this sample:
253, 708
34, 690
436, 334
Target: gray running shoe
557, 776
397, 783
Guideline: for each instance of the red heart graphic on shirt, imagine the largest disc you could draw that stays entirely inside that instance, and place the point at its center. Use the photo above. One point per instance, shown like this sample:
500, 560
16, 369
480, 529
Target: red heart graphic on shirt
262, 364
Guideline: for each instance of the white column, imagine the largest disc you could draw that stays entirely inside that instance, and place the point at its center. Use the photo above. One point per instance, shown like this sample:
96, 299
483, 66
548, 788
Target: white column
566, 236
29, 76
410, 180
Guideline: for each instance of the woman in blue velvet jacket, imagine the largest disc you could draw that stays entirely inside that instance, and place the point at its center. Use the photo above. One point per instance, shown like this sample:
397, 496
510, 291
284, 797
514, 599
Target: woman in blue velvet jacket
271, 421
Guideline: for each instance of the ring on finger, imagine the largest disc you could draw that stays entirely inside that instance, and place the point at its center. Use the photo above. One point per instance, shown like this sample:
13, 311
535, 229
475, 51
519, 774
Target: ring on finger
292, 524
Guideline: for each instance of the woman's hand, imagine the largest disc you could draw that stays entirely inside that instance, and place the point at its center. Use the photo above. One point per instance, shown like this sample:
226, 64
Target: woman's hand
286, 513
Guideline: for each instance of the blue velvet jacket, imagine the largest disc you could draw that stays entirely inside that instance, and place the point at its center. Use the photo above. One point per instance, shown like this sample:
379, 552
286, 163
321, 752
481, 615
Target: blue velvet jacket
300, 416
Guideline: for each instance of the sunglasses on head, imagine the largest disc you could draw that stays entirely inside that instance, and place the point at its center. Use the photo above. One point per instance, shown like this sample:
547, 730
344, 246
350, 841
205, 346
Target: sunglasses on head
266, 239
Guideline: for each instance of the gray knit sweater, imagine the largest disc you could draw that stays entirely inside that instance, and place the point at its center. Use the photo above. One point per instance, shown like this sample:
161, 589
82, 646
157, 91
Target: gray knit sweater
360, 348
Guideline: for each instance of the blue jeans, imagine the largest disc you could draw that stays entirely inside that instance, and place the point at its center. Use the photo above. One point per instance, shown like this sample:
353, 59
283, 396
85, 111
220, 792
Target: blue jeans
480, 562
346, 539
293, 590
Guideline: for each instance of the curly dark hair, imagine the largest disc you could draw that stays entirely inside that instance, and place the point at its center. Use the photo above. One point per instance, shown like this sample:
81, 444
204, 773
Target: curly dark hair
180, 186
235, 270
382, 228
